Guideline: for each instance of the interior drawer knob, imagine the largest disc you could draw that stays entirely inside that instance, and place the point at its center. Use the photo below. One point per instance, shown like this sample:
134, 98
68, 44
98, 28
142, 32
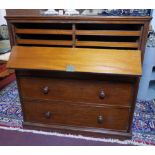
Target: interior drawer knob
45, 90
48, 114
102, 94
100, 119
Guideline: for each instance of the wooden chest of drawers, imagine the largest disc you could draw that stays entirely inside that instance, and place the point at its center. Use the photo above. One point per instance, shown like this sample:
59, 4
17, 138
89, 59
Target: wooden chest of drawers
77, 90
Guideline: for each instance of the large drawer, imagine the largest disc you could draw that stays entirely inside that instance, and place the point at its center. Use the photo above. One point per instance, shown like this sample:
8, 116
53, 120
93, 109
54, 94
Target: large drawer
88, 91
84, 116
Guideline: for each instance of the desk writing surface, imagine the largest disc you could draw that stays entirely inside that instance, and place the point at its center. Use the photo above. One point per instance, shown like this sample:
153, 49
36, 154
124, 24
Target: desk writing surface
107, 61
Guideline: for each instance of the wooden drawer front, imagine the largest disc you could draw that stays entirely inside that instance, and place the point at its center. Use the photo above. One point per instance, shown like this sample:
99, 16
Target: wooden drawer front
89, 91
86, 116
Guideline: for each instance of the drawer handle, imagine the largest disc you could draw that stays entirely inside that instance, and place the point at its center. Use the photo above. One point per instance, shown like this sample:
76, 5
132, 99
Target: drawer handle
102, 94
100, 119
45, 90
48, 114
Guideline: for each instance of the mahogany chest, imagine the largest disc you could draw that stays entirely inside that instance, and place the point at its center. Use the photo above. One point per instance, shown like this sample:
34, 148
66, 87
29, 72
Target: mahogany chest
88, 91
78, 74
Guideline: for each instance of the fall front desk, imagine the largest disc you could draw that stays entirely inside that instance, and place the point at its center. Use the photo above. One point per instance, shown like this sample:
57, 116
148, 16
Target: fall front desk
77, 90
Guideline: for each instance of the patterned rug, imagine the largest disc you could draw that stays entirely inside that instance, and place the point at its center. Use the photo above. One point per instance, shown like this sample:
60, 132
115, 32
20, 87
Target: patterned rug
10, 108
143, 123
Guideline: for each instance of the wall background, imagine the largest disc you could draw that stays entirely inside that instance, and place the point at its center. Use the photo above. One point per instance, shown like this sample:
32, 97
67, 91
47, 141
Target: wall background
153, 19
2, 14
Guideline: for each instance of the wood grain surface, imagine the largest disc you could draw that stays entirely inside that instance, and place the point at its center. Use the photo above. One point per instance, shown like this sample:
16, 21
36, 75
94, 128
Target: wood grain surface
107, 44
78, 91
125, 62
53, 112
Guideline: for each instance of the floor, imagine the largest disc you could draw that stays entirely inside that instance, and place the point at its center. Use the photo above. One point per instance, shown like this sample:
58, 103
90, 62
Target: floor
16, 138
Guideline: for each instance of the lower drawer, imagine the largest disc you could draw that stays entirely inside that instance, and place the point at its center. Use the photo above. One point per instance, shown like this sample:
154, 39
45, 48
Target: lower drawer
53, 112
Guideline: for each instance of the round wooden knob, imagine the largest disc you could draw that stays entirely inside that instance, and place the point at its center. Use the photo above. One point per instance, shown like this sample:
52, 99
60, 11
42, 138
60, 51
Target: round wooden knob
48, 114
45, 90
102, 94
100, 119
